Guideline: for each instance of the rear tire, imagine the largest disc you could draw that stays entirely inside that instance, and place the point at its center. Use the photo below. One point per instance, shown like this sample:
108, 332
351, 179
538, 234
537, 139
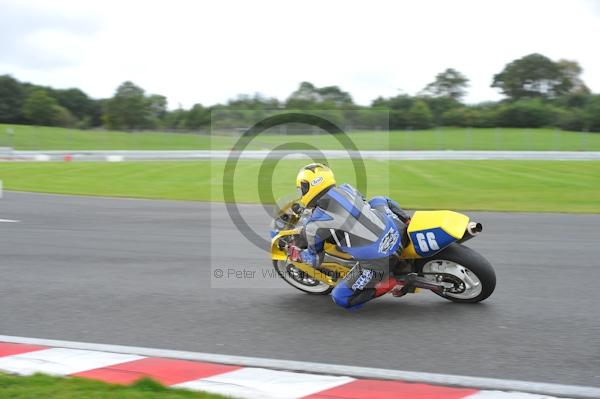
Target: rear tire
317, 289
468, 259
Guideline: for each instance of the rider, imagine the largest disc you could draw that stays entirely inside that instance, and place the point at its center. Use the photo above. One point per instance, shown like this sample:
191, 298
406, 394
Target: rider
371, 232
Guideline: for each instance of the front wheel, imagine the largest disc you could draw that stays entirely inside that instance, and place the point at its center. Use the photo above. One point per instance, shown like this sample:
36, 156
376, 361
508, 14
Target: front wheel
472, 276
300, 280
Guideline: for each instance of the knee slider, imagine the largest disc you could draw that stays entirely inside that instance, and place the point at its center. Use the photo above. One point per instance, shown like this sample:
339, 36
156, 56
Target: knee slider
341, 295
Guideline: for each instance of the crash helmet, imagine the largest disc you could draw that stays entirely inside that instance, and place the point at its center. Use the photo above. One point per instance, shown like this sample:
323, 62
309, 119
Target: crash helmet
312, 181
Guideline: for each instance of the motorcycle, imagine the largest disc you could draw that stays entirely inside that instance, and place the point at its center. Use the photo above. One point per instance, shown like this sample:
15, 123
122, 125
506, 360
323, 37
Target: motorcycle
435, 257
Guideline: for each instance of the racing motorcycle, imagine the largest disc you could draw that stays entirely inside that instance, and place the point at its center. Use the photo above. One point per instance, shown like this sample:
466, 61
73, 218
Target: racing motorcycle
435, 257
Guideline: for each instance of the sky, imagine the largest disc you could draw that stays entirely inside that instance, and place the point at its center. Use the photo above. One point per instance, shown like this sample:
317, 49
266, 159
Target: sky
212, 50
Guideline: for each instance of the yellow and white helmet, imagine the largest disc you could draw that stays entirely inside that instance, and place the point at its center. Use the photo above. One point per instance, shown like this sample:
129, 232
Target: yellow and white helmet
312, 180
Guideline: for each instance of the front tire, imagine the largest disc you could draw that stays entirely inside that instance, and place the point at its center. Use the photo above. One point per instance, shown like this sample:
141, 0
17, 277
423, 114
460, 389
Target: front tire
463, 263
298, 279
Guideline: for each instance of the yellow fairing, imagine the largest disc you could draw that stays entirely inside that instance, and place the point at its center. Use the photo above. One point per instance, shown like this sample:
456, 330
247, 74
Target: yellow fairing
453, 223
280, 254
409, 252
336, 269
332, 250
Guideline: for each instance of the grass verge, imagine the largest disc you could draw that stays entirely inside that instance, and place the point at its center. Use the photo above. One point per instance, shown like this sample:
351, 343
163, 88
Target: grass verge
47, 387
531, 186
54, 138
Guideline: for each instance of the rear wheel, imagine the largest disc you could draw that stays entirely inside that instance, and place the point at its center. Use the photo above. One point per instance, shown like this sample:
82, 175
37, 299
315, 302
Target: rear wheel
300, 280
471, 276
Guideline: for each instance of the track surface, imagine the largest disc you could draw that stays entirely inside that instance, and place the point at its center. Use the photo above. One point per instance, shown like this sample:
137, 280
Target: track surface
137, 272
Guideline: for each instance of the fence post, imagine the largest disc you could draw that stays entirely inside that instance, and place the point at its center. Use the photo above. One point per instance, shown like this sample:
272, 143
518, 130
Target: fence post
497, 138
470, 138
557, 139
10, 134
584, 139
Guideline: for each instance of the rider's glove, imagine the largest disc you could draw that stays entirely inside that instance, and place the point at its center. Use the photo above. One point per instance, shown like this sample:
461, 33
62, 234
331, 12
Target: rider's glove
293, 253
304, 256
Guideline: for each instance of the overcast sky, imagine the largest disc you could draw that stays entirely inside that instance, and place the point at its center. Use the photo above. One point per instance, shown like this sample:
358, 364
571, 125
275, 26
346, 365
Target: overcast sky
210, 51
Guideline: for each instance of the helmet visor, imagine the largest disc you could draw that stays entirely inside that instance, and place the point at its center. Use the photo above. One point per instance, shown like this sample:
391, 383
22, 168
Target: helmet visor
304, 187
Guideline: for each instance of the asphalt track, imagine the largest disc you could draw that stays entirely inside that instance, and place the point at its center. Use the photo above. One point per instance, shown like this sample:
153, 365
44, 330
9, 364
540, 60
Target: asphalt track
141, 273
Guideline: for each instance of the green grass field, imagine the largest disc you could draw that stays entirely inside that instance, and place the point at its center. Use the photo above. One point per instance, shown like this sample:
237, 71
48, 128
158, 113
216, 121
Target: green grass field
535, 186
52, 138
41, 386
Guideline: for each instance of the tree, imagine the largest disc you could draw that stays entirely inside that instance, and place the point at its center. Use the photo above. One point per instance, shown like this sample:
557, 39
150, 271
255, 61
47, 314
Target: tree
449, 83
128, 108
157, 106
40, 108
175, 119
308, 95
533, 76
12, 96
305, 95
335, 95
439, 105
571, 71
526, 113
399, 107
63, 117
457, 117
593, 114
483, 115
401, 102
571, 119
76, 101
256, 101
574, 100
419, 115
197, 117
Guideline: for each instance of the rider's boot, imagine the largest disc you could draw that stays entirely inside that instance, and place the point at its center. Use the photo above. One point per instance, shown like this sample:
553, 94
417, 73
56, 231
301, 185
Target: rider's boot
400, 267
401, 290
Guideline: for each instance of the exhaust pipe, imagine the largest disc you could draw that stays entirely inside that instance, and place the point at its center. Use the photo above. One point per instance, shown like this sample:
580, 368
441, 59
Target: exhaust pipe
473, 229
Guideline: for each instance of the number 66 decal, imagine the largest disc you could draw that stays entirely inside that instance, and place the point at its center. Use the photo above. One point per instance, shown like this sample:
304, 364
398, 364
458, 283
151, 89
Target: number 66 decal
427, 242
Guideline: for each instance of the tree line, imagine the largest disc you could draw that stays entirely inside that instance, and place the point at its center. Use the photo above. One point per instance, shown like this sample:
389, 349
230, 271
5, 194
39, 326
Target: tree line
538, 92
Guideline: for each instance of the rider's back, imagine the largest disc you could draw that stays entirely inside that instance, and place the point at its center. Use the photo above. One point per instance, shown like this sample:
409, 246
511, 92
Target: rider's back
344, 218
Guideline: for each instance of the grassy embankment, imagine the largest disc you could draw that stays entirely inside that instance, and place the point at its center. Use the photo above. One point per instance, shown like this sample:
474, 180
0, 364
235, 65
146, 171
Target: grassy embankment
534, 186
52, 138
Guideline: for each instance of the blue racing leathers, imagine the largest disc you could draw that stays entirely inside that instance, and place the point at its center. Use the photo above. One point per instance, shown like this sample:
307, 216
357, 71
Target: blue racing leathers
370, 232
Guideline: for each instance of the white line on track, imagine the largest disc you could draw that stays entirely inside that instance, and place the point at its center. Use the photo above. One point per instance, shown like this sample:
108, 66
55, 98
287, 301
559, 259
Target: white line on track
572, 391
9, 221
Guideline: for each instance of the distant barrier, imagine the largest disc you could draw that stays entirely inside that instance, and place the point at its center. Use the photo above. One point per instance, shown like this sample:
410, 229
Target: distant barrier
191, 155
